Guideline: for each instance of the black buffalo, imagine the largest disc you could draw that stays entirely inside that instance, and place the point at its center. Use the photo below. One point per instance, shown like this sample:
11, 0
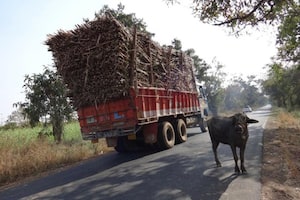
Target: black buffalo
232, 131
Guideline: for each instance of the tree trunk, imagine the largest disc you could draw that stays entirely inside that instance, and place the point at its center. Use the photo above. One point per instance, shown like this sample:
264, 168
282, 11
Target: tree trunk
57, 125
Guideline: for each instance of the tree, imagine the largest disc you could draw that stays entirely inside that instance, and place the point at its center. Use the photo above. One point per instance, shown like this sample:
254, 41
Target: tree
45, 96
243, 92
288, 38
128, 20
238, 14
177, 44
283, 85
17, 117
232, 97
214, 88
201, 66
273, 85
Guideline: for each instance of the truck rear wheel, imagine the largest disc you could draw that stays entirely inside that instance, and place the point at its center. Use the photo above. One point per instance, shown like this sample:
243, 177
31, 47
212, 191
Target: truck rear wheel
166, 135
181, 134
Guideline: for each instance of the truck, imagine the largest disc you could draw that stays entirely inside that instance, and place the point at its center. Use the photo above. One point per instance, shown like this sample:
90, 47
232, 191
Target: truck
137, 94
152, 116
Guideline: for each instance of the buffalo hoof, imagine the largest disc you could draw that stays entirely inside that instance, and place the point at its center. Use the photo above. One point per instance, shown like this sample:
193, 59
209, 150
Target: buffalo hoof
244, 172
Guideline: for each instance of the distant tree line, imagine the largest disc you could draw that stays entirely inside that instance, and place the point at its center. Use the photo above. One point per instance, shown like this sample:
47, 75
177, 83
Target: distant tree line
233, 96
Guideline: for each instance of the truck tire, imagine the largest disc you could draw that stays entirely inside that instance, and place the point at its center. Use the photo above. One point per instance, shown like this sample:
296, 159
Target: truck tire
180, 133
166, 135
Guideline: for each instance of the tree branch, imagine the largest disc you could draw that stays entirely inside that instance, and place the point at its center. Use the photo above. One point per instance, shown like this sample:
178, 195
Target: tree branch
256, 7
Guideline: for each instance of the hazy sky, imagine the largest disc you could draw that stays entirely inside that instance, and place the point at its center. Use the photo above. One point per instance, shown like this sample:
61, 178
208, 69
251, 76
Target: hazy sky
24, 27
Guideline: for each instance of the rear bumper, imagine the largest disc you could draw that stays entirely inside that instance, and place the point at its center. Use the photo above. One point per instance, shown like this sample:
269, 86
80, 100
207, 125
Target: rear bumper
110, 133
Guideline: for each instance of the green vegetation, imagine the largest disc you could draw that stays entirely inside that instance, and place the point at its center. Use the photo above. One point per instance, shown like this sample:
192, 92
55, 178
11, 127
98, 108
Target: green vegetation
24, 152
283, 86
283, 81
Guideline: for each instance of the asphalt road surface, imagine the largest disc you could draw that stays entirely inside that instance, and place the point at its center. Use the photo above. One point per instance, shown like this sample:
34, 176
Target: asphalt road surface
187, 171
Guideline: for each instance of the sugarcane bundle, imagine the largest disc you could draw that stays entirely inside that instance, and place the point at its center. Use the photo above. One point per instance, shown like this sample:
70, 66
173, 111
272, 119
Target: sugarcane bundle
101, 60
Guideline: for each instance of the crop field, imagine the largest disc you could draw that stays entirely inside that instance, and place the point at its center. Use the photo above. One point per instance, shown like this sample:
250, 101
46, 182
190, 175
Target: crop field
24, 152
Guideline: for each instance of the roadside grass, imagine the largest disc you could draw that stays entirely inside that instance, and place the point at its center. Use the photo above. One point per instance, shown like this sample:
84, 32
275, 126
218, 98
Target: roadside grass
289, 136
289, 120
24, 153
281, 156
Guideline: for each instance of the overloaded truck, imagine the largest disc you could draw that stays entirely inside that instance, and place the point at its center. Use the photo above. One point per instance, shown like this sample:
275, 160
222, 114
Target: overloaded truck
125, 87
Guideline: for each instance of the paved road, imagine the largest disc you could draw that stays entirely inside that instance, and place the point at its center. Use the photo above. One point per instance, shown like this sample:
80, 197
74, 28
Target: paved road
186, 171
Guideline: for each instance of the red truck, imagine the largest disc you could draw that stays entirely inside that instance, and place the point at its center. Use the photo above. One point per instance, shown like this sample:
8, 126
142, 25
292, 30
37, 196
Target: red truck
147, 115
125, 87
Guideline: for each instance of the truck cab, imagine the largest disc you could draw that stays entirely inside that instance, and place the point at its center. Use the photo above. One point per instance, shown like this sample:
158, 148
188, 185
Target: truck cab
201, 120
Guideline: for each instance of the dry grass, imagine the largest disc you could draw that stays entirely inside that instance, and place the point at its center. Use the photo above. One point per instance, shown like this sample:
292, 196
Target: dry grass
22, 154
288, 120
289, 135
281, 157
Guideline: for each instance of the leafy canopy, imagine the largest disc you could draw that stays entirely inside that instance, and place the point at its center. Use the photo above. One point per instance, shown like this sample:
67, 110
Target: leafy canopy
288, 38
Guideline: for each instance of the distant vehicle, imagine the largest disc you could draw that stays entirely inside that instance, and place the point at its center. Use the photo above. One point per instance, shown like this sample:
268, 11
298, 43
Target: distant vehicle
247, 109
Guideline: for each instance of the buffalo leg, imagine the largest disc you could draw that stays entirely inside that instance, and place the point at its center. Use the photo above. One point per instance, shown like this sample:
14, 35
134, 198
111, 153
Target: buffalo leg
237, 170
242, 153
215, 146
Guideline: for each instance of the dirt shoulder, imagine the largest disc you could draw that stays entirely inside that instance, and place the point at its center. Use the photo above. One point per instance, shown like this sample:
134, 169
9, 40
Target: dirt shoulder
281, 161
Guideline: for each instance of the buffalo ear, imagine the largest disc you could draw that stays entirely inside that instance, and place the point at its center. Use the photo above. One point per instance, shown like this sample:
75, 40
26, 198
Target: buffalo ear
251, 121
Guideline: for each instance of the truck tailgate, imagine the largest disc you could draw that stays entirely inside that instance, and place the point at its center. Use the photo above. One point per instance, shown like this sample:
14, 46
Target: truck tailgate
109, 119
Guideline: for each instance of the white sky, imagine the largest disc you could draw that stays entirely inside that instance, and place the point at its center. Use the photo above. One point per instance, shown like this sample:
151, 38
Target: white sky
24, 26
